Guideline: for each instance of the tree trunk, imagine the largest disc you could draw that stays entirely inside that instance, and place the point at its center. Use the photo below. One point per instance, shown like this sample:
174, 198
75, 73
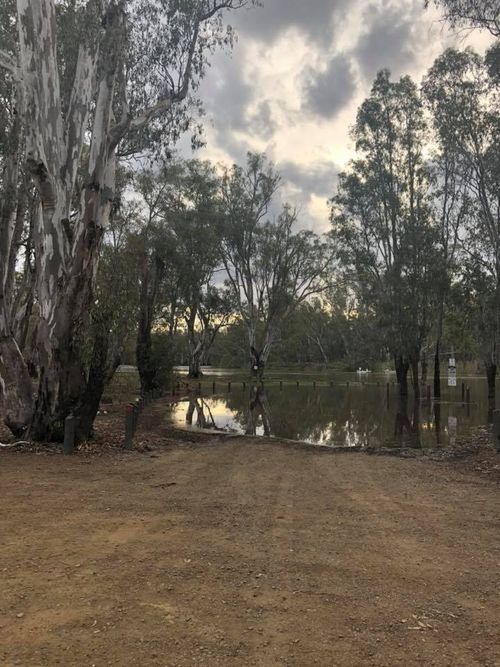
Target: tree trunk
491, 374
415, 378
17, 392
425, 367
151, 276
64, 319
402, 367
437, 370
103, 365
195, 365
66, 252
143, 352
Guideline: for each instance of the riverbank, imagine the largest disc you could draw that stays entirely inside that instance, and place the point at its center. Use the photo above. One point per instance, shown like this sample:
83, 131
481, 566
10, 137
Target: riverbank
235, 552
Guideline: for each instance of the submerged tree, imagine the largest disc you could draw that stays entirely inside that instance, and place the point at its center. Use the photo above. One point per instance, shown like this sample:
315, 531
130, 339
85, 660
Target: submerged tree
93, 80
466, 115
382, 222
270, 268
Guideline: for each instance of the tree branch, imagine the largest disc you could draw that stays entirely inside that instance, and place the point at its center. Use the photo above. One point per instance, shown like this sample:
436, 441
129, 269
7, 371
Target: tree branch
8, 62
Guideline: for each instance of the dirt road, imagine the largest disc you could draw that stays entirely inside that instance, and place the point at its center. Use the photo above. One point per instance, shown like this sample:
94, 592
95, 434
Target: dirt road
247, 553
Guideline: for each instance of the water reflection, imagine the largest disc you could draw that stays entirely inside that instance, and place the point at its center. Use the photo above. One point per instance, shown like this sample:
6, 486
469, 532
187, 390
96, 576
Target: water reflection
407, 425
199, 407
366, 415
258, 412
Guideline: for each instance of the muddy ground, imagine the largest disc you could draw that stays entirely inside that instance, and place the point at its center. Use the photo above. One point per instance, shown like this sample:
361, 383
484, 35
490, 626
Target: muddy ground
245, 552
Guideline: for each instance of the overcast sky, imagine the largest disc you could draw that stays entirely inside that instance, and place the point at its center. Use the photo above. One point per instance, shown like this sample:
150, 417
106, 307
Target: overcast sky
297, 74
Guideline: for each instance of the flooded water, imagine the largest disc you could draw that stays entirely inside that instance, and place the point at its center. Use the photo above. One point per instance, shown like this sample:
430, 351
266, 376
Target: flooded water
346, 411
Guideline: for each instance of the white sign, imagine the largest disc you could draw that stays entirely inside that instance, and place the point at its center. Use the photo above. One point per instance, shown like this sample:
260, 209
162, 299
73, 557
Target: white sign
452, 373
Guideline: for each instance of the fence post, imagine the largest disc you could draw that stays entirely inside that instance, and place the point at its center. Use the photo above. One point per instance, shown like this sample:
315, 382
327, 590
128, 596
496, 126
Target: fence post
213, 388
69, 435
281, 385
129, 425
229, 387
496, 430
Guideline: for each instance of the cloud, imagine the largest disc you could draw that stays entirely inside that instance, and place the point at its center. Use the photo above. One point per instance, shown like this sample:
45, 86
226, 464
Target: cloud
389, 40
226, 94
318, 178
314, 18
262, 122
328, 91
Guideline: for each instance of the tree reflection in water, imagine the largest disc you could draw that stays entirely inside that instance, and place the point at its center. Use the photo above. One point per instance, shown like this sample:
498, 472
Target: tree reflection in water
404, 426
204, 416
258, 408
338, 415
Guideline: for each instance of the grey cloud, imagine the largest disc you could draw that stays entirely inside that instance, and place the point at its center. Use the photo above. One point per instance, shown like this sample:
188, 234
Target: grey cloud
262, 121
327, 92
225, 93
315, 18
388, 40
318, 179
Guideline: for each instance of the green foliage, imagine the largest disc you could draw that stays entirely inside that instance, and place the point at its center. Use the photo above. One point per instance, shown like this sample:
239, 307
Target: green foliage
381, 215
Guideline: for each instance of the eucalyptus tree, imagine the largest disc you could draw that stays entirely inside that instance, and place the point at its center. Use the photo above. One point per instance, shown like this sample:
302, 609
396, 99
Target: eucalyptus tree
178, 247
465, 107
194, 222
482, 14
94, 80
114, 309
270, 268
382, 221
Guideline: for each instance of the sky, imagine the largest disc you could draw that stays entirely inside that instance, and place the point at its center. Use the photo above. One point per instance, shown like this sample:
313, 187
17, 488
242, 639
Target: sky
291, 85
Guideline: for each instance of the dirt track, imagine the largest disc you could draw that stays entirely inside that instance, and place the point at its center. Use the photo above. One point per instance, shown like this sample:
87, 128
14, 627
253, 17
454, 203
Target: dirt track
247, 554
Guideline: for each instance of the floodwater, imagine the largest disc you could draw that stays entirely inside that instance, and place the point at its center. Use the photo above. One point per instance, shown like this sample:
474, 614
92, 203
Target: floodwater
347, 410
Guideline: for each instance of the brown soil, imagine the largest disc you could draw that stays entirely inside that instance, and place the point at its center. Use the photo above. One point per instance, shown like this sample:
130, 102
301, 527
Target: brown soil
244, 552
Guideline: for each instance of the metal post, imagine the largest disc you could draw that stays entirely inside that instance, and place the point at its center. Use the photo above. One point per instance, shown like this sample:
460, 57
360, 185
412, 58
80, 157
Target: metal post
496, 430
69, 435
129, 425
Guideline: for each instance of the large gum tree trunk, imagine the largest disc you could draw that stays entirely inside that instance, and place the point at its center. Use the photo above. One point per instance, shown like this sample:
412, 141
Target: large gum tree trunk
66, 253
16, 391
